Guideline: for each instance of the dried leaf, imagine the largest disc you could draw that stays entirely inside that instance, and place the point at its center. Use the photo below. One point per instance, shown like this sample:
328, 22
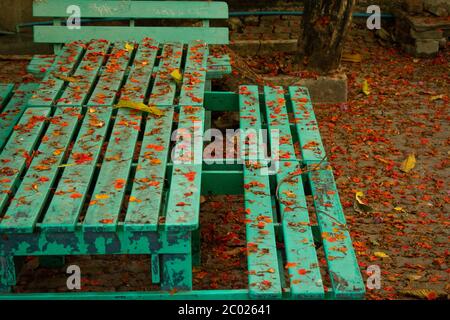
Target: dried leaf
348, 57
380, 254
409, 163
139, 106
176, 75
366, 87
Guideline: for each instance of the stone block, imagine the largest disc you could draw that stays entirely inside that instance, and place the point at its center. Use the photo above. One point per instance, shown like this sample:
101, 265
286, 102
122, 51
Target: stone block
431, 34
425, 47
413, 6
440, 8
251, 21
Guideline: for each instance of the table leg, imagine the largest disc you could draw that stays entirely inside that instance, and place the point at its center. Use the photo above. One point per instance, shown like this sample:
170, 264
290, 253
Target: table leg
7, 273
177, 271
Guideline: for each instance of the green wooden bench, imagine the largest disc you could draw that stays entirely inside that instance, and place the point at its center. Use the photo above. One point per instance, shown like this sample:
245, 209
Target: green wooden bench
282, 243
132, 12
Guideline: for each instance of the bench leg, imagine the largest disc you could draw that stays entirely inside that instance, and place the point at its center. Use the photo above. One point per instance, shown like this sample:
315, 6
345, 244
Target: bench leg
156, 274
196, 248
7, 274
176, 272
52, 261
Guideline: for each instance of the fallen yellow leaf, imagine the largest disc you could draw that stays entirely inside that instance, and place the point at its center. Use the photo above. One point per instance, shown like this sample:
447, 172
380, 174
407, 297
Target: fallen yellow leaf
140, 106
380, 254
101, 196
366, 87
129, 47
176, 75
348, 57
438, 97
409, 163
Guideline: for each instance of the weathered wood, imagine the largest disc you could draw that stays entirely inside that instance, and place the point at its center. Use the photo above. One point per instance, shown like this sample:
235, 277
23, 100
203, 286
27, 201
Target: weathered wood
306, 124
140, 76
14, 110
30, 198
144, 207
164, 88
343, 267
108, 195
278, 124
264, 274
183, 205
5, 93
112, 76
67, 203
77, 92
19, 149
60, 34
134, 9
301, 258
64, 65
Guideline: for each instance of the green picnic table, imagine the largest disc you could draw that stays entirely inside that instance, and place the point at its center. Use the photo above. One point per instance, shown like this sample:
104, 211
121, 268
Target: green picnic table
81, 176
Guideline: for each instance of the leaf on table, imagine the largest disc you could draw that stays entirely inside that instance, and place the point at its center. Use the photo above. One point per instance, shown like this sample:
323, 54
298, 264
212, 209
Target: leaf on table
365, 88
140, 106
409, 163
176, 75
66, 78
129, 47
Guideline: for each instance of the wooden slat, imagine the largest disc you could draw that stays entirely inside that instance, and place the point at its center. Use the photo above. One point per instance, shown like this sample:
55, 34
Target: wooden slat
134, 9
106, 90
342, 264
250, 123
164, 89
104, 209
264, 273
40, 64
302, 264
71, 192
138, 81
278, 120
77, 93
51, 85
14, 110
18, 149
185, 189
307, 128
5, 93
146, 196
30, 198
60, 34
194, 78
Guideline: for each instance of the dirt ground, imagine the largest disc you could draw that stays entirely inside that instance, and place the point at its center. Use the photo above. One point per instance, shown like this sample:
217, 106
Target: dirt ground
367, 139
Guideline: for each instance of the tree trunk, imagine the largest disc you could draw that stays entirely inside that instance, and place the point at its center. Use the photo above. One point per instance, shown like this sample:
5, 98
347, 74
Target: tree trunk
325, 27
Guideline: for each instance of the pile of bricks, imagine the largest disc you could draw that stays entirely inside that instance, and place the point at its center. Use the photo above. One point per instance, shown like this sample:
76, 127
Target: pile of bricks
274, 27
423, 26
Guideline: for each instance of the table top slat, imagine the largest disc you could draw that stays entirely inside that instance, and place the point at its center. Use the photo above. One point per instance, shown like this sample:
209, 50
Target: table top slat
301, 257
103, 212
14, 109
30, 198
278, 124
307, 128
77, 92
112, 75
264, 274
6, 90
71, 192
144, 207
138, 81
343, 267
165, 87
52, 84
